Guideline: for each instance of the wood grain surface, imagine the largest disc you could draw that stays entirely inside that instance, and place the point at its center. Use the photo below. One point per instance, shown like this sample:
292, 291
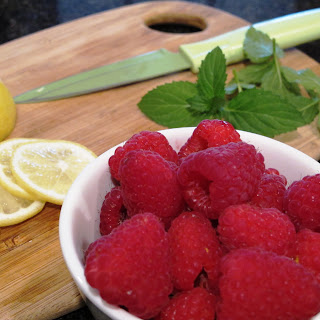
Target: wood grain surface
34, 281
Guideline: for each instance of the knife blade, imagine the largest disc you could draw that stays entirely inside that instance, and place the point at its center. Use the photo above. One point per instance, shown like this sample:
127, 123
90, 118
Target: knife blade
288, 31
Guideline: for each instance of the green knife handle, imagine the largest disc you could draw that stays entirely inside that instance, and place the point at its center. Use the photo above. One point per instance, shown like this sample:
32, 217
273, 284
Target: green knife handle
288, 31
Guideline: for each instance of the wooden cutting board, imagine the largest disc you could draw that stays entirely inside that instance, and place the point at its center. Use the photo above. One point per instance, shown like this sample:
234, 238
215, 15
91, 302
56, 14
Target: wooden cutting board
34, 281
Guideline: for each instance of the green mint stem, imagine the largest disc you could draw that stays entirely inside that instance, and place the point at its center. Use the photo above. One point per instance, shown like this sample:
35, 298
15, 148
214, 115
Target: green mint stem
236, 78
277, 63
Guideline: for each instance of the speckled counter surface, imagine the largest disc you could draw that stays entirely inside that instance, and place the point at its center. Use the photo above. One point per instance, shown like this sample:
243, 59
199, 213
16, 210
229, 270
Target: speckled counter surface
22, 17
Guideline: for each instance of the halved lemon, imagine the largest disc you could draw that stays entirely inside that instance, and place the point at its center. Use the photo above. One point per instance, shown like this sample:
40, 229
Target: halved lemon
14, 210
7, 181
7, 112
48, 168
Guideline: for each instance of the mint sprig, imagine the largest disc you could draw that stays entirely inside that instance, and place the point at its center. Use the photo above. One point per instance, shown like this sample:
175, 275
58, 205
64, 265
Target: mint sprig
264, 97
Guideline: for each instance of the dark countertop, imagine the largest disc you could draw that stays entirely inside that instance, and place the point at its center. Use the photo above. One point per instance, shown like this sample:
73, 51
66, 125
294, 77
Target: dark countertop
22, 17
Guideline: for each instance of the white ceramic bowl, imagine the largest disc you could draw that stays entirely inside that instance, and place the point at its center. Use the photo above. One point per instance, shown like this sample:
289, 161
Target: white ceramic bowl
79, 219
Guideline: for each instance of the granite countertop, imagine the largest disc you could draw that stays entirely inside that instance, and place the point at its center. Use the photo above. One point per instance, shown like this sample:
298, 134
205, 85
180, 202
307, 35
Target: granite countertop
22, 17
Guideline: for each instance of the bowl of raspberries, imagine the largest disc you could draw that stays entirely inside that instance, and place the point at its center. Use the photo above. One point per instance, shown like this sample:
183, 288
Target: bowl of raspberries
198, 223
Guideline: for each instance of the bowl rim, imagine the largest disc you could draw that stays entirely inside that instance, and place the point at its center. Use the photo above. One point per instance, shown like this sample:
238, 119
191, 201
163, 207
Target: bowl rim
67, 244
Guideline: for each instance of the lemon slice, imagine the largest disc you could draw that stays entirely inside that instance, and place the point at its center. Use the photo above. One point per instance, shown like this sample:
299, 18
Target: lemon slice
7, 181
14, 210
48, 168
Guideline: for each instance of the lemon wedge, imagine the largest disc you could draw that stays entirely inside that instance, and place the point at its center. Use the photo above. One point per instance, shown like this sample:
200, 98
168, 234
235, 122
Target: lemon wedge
7, 181
14, 210
7, 112
48, 168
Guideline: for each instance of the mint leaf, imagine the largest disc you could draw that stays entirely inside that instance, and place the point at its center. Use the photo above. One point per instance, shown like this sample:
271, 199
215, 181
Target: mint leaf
202, 104
212, 74
274, 81
291, 75
308, 79
262, 112
217, 104
258, 47
255, 72
309, 108
167, 105
199, 103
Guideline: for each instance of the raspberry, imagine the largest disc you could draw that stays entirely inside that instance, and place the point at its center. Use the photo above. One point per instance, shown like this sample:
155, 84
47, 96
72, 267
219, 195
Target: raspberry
209, 133
263, 285
308, 249
145, 140
194, 247
195, 304
245, 226
112, 211
214, 178
95, 247
271, 191
302, 202
149, 184
129, 267
276, 172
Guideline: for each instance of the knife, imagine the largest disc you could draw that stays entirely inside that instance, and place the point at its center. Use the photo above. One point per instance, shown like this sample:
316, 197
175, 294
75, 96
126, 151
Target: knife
288, 31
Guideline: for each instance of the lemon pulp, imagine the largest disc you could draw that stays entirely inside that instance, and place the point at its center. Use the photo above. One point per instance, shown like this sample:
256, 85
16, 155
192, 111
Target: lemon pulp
7, 181
48, 168
14, 210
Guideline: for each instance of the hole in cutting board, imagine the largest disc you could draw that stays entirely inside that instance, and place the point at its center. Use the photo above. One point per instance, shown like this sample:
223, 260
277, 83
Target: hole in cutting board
176, 23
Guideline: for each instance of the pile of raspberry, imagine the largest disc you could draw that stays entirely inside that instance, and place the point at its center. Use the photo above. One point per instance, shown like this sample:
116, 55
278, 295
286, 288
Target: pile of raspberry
207, 232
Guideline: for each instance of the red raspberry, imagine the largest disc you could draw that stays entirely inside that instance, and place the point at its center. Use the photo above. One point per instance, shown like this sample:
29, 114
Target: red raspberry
308, 251
96, 247
195, 304
149, 184
145, 140
263, 285
215, 178
245, 226
271, 191
129, 267
194, 247
302, 202
209, 133
112, 211
276, 172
